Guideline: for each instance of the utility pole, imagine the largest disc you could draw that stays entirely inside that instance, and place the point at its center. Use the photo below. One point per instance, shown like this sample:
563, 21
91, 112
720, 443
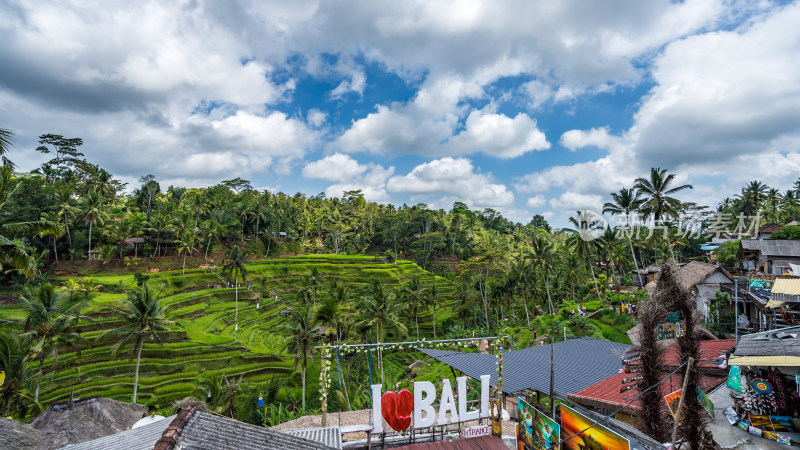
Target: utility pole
680, 402
736, 303
324, 381
552, 381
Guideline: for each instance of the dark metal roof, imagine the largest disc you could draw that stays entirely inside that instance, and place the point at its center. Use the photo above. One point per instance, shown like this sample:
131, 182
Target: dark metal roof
330, 436
206, 431
770, 247
780, 342
141, 438
579, 363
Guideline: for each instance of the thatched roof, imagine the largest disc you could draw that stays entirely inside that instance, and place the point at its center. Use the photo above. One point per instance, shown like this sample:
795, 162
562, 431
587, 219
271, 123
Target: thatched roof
696, 272
21, 436
693, 273
87, 419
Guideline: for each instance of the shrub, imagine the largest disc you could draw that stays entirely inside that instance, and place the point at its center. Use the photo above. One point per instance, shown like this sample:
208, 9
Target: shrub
177, 282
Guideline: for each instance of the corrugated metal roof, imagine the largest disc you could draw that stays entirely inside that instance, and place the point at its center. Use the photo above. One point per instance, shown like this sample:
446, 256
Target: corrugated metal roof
780, 342
771, 247
790, 286
579, 363
141, 438
205, 431
329, 436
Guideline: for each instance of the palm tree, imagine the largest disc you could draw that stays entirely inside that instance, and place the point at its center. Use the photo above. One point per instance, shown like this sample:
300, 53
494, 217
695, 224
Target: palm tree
432, 295
92, 213
583, 242
517, 277
626, 201
66, 211
331, 309
52, 222
144, 318
773, 199
751, 197
302, 334
412, 292
657, 191
14, 364
159, 224
572, 271
6, 136
544, 259
48, 324
186, 245
87, 286
379, 309
236, 258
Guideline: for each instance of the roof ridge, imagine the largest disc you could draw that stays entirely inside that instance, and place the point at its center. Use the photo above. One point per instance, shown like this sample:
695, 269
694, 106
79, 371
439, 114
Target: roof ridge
170, 436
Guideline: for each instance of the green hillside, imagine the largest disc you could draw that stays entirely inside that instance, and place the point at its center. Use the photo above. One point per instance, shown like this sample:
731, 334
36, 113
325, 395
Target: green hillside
203, 308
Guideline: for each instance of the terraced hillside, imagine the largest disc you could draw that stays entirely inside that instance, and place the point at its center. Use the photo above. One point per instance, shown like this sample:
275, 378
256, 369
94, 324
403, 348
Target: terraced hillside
202, 305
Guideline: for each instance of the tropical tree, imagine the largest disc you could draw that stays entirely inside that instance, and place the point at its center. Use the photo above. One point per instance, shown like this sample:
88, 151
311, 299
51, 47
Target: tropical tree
432, 295
144, 319
380, 309
92, 214
626, 202
545, 259
583, 240
302, 334
48, 324
657, 191
412, 292
751, 197
186, 245
235, 262
14, 364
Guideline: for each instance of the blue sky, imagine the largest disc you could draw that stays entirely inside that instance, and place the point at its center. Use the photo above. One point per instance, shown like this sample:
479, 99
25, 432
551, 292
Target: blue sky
526, 107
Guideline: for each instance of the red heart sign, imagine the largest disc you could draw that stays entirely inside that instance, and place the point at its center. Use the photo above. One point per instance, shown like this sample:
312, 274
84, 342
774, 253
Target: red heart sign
396, 409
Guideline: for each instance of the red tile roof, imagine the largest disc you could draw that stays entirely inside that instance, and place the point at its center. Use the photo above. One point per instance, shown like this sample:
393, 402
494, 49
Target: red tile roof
769, 228
709, 352
479, 443
606, 394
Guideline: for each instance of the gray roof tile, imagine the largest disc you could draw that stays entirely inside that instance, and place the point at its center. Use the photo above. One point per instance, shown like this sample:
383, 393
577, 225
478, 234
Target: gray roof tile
579, 363
207, 431
141, 438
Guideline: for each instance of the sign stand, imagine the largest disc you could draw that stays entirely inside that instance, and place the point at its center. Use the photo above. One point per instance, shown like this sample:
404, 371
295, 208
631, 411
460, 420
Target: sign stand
680, 402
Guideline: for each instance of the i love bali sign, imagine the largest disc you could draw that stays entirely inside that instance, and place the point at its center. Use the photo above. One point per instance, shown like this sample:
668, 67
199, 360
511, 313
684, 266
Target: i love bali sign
400, 409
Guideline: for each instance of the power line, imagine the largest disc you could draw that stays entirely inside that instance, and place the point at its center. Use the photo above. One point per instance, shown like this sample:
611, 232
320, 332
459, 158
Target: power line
609, 416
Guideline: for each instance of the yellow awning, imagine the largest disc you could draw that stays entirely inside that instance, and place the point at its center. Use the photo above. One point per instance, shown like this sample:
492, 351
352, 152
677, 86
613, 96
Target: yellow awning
776, 361
774, 304
789, 286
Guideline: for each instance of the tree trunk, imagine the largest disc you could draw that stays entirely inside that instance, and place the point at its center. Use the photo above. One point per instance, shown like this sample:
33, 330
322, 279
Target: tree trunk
136, 375
303, 377
38, 378
208, 245
55, 249
416, 320
434, 319
183, 275
89, 256
635, 263
236, 317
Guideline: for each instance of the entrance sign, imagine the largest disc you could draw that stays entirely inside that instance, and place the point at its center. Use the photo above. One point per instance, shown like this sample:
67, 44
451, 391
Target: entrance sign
397, 408
669, 330
471, 432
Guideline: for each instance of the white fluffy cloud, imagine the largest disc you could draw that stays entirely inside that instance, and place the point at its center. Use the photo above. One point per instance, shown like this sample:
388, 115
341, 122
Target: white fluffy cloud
725, 110
336, 167
596, 137
537, 201
454, 177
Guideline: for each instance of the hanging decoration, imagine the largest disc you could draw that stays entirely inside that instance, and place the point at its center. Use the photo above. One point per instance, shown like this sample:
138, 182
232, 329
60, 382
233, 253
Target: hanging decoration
761, 386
